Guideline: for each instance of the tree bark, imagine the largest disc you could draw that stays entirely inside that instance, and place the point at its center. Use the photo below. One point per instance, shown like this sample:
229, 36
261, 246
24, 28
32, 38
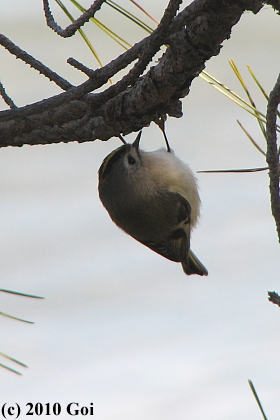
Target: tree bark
78, 114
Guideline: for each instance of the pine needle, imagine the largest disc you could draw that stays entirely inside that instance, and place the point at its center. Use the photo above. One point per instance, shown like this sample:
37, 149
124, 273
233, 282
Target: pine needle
257, 82
242, 82
259, 85
121, 41
130, 16
231, 95
21, 294
213, 171
251, 139
10, 369
144, 11
104, 28
13, 359
81, 32
257, 398
16, 318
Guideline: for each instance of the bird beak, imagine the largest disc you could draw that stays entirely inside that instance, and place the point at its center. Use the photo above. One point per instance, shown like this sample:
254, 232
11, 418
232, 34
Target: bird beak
137, 140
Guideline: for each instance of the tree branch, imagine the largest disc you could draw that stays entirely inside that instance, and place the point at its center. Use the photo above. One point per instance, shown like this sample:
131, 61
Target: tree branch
35, 64
97, 79
154, 43
272, 155
6, 97
134, 101
77, 24
275, 4
274, 298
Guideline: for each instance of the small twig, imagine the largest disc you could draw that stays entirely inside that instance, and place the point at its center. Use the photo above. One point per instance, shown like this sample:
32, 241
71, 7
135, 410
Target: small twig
272, 156
274, 298
35, 64
79, 66
6, 97
77, 24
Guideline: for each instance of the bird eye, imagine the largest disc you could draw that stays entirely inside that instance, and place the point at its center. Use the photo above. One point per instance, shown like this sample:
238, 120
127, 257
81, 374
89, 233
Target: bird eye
131, 160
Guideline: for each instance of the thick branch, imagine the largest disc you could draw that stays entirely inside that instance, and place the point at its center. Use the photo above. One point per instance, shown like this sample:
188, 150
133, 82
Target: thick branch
275, 4
272, 156
152, 48
97, 79
132, 103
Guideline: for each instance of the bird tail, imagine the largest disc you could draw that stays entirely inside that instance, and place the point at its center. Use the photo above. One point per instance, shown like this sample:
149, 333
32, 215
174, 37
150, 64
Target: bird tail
194, 266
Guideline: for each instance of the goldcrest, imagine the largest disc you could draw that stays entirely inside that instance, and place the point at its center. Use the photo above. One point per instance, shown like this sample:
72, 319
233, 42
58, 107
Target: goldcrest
153, 196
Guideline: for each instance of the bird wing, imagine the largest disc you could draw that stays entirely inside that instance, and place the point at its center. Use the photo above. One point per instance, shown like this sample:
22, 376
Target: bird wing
177, 243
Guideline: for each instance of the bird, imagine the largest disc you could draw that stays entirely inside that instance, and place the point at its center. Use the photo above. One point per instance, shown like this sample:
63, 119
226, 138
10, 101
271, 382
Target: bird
153, 197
